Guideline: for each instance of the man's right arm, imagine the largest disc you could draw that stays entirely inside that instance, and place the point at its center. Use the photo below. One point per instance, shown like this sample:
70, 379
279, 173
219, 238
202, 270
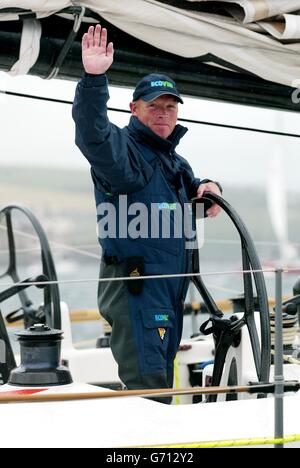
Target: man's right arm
103, 144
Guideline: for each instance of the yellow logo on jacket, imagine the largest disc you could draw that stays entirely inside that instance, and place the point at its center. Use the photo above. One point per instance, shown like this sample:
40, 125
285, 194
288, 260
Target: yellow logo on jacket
135, 273
162, 333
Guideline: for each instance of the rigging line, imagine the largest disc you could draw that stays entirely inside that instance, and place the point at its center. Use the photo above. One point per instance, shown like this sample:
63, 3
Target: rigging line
79, 248
237, 242
208, 241
150, 277
55, 244
61, 247
97, 246
20, 251
220, 288
199, 122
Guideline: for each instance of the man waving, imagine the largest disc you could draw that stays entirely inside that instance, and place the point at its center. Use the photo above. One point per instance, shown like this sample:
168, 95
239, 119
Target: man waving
136, 170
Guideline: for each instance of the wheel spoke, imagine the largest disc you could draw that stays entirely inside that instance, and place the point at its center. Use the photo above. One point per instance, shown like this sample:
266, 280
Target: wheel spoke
255, 344
248, 286
222, 347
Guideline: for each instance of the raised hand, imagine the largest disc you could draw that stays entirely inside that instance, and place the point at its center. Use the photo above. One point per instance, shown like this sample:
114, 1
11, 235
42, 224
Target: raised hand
97, 56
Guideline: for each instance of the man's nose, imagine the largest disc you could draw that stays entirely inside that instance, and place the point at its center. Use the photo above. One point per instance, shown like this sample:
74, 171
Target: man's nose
162, 112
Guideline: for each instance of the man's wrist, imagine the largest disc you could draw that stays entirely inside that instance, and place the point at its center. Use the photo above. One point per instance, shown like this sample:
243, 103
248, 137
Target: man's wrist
93, 74
92, 81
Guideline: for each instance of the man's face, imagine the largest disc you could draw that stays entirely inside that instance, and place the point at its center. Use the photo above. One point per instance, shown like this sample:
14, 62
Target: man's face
159, 115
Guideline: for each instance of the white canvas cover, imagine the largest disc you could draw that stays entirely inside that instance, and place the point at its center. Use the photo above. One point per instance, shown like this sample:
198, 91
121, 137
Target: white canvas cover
261, 36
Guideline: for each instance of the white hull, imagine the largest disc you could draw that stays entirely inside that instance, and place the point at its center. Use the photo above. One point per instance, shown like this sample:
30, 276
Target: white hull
134, 422
138, 422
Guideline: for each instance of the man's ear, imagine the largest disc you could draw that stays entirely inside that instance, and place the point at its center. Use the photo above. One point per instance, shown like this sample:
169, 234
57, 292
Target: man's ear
133, 106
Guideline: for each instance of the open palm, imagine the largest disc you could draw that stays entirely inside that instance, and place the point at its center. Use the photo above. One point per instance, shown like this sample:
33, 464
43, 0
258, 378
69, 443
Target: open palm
97, 56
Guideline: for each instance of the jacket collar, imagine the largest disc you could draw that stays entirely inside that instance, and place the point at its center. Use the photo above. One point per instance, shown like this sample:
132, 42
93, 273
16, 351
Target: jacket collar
146, 135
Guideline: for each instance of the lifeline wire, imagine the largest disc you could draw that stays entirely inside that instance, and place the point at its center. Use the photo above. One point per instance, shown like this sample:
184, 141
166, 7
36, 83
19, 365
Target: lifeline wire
126, 278
150, 277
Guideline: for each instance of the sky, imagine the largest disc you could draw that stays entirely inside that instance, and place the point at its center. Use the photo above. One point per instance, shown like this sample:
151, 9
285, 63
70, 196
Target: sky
41, 134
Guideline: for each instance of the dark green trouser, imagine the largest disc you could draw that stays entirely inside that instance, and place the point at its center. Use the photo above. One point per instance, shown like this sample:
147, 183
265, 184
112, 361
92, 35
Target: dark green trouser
114, 307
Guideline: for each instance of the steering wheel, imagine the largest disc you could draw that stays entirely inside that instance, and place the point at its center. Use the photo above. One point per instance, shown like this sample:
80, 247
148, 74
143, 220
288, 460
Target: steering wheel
49, 312
227, 331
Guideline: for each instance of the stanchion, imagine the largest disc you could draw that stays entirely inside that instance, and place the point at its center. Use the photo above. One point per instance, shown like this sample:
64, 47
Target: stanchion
279, 377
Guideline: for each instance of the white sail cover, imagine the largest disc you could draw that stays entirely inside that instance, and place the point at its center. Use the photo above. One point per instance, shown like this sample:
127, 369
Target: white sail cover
260, 36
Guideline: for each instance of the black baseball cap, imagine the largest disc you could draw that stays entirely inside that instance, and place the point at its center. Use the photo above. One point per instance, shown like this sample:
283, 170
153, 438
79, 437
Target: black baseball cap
155, 85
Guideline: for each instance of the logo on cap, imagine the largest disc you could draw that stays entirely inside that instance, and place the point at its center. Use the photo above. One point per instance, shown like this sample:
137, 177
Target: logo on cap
155, 85
162, 84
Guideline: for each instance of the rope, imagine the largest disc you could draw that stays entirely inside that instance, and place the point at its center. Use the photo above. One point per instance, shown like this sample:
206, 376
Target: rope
29, 49
289, 359
232, 443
